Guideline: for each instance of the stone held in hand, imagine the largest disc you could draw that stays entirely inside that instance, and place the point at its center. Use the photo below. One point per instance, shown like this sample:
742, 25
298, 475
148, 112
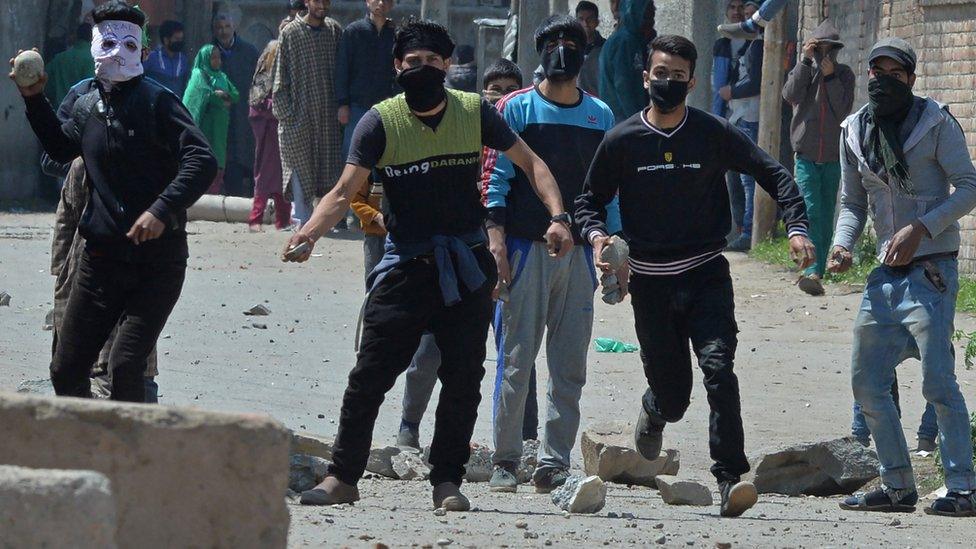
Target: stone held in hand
827, 468
608, 452
677, 491
28, 68
581, 494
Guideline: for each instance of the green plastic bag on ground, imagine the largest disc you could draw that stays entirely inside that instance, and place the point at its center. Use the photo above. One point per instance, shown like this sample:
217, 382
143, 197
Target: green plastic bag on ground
608, 345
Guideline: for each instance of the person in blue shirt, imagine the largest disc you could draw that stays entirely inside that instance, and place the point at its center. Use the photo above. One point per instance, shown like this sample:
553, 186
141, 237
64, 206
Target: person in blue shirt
564, 126
167, 64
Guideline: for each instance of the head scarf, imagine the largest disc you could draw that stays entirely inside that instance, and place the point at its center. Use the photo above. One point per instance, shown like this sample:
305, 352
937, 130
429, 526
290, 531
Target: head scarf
204, 81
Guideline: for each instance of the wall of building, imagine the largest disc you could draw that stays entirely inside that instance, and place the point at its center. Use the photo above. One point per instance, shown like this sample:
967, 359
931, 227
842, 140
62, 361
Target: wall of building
943, 34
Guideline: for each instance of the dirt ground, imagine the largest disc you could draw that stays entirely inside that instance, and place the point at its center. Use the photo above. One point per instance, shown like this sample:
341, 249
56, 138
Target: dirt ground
792, 366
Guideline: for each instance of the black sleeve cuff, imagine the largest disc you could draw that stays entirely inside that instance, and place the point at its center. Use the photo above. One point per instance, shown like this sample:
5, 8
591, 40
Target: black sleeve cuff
807, 61
496, 217
830, 76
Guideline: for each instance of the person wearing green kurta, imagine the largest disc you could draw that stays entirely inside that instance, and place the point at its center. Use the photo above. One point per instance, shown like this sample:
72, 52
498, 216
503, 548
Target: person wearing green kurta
70, 66
208, 97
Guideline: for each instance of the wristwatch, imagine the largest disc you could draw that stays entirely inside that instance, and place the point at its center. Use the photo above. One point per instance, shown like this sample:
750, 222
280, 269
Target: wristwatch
563, 218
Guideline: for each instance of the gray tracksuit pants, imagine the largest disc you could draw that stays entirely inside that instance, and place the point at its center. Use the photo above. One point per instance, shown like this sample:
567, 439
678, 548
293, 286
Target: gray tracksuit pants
546, 295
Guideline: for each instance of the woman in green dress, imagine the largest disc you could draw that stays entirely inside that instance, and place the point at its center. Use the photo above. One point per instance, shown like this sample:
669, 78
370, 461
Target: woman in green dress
208, 97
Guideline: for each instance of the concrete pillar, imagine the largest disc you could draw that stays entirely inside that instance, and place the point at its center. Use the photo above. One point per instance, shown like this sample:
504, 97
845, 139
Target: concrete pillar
770, 119
488, 50
531, 14
695, 21
560, 6
436, 10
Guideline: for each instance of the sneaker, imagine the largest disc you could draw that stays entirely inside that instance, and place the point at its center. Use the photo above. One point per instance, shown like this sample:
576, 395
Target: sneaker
954, 504
926, 445
503, 479
737, 497
883, 500
648, 436
737, 31
330, 491
741, 244
448, 496
810, 285
409, 436
866, 442
548, 479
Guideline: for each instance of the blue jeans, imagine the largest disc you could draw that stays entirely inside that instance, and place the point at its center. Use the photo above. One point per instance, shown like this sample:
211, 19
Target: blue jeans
928, 428
902, 310
748, 183
303, 209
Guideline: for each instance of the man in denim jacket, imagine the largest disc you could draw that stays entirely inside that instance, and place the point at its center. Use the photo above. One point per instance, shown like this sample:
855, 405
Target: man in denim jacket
901, 155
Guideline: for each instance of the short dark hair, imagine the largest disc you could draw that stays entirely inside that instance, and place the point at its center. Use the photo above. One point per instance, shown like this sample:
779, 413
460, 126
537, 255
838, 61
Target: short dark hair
117, 10
83, 33
420, 34
298, 5
586, 5
555, 25
169, 28
503, 68
674, 45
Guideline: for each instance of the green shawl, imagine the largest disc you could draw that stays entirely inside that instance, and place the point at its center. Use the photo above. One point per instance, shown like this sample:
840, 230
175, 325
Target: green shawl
209, 112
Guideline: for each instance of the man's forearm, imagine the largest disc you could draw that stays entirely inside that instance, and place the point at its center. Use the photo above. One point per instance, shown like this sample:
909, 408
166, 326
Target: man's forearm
336, 203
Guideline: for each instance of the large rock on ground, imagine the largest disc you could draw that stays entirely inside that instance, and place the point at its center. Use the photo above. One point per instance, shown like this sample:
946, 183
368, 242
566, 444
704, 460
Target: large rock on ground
380, 461
56, 508
608, 452
581, 494
181, 477
310, 444
410, 466
828, 468
305, 472
678, 491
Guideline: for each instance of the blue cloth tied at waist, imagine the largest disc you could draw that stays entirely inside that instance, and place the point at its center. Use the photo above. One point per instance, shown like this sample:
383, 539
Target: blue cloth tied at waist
452, 256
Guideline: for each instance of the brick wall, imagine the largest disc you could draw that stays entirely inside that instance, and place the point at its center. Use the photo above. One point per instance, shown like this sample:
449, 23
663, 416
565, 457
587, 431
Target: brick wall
943, 33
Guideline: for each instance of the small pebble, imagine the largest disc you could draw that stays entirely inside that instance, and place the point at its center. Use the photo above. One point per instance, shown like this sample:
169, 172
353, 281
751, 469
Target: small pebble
661, 540
530, 535
444, 542
521, 524
894, 522
440, 512
659, 526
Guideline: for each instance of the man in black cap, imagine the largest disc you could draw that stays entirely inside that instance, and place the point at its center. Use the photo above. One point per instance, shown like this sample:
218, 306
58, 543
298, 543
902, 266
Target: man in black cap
900, 154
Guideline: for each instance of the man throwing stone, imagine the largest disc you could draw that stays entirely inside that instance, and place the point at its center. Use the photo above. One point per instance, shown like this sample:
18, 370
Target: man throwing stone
437, 275
900, 157
668, 165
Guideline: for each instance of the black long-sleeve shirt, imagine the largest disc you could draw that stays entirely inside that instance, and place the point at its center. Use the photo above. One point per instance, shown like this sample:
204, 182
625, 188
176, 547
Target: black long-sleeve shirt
364, 72
142, 153
674, 205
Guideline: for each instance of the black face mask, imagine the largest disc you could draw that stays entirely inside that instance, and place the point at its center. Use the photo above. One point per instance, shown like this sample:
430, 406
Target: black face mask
889, 97
667, 94
423, 87
176, 47
562, 63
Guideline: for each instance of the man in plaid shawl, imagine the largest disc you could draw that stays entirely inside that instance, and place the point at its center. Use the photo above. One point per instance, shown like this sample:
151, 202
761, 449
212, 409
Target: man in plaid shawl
305, 106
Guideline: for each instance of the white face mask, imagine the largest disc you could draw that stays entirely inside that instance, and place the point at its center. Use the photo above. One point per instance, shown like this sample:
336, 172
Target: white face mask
117, 50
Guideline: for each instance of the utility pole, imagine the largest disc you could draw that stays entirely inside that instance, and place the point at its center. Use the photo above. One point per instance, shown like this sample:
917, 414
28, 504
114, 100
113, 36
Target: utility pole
770, 119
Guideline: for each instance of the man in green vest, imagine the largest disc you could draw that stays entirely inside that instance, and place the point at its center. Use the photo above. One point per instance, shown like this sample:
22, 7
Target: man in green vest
437, 275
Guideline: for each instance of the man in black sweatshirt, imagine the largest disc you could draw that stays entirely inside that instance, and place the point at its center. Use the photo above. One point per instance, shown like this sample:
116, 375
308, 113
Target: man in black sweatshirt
147, 163
668, 164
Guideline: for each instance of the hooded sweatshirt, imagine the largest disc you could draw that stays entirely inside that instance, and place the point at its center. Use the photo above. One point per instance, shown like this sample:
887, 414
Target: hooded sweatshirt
820, 103
622, 63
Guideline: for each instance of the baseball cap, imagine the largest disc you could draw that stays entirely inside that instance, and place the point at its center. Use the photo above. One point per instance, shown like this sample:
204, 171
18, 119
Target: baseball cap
897, 49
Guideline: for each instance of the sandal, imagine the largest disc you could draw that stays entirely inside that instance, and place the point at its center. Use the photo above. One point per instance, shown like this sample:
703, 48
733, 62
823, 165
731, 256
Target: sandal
882, 500
954, 504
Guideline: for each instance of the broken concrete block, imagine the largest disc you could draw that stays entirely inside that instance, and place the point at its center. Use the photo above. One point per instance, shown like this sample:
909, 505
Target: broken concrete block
529, 461
827, 468
380, 461
303, 442
410, 466
608, 452
676, 491
4, 299
56, 508
479, 466
581, 494
36, 386
305, 472
258, 310
181, 477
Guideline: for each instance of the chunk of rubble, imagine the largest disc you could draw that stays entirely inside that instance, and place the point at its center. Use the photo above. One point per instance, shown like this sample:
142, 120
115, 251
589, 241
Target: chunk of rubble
258, 310
608, 452
678, 491
827, 468
305, 472
581, 494
380, 461
409, 466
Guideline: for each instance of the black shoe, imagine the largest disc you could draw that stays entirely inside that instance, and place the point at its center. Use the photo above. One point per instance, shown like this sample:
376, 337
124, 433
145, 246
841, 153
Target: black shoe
737, 497
883, 500
648, 436
548, 479
954, 504
741, 244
